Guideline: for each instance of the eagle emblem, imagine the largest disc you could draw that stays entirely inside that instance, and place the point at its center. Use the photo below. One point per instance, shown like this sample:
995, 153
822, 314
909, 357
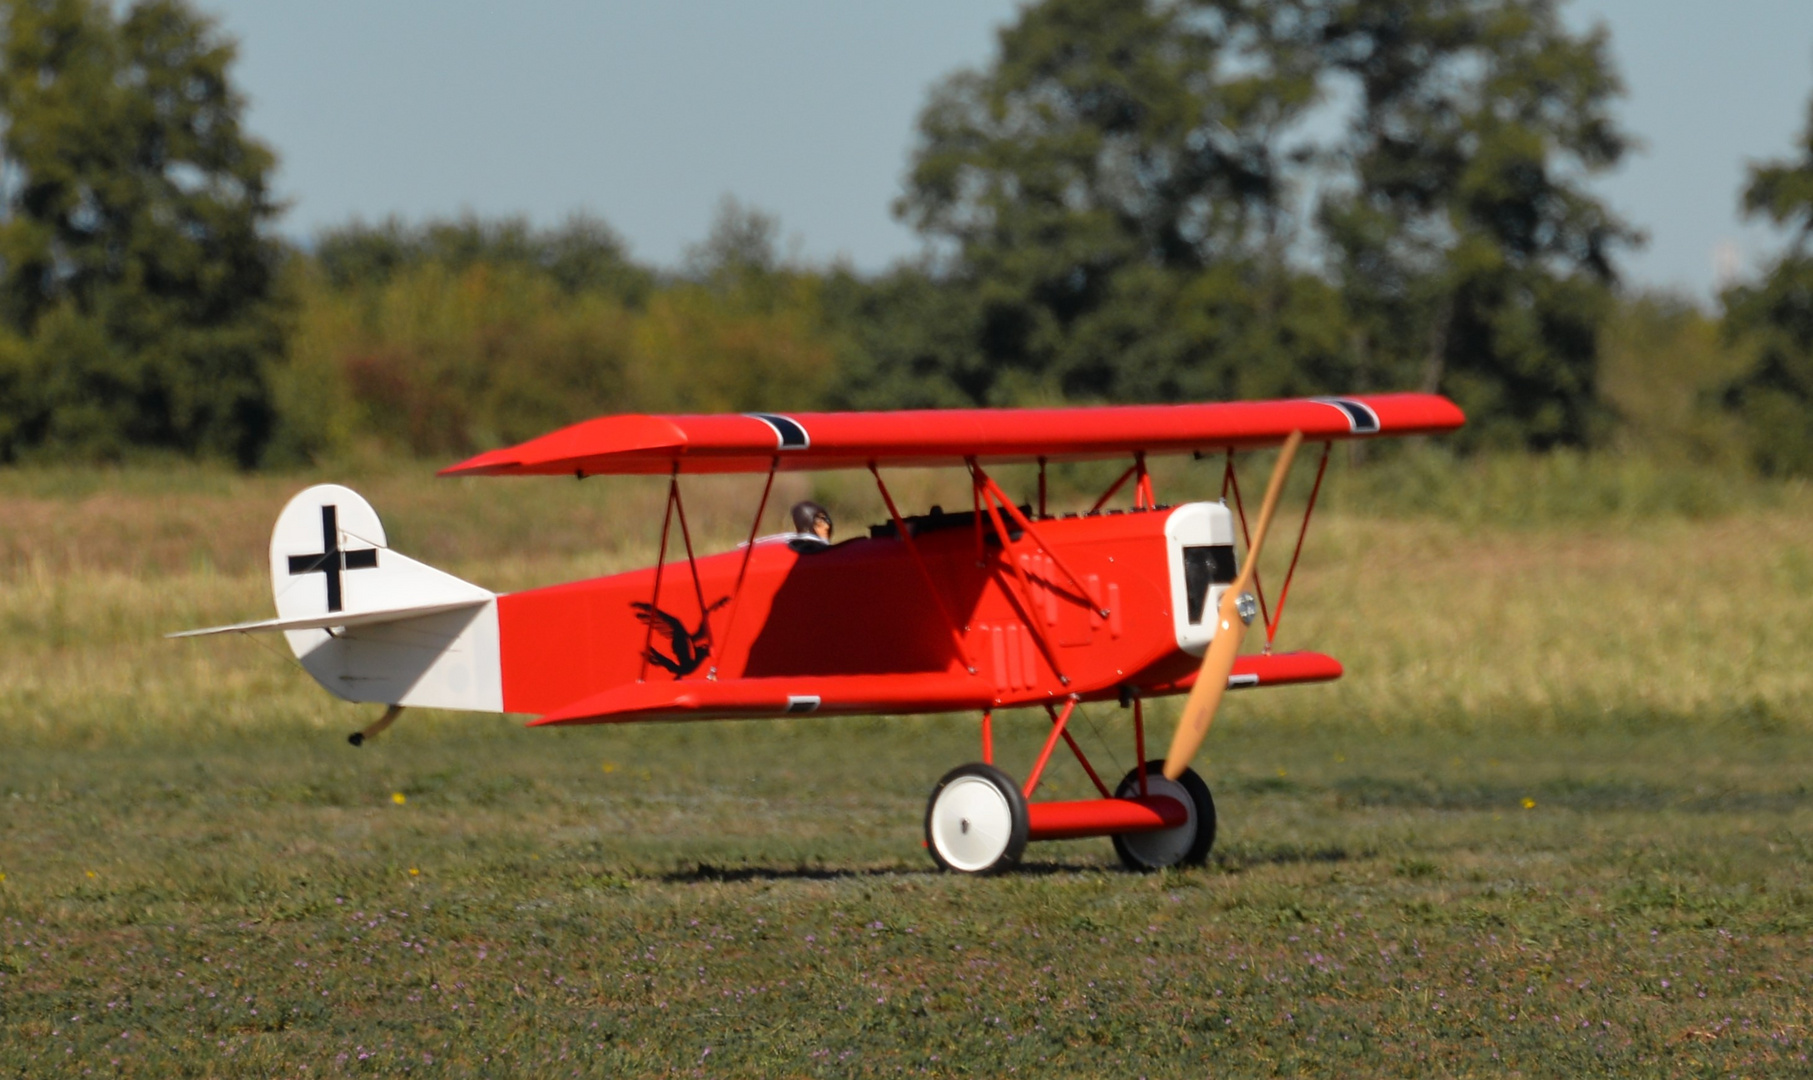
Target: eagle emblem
689, 648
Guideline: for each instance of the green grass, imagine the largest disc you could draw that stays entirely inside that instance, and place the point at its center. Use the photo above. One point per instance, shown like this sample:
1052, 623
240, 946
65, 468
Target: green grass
1555, 822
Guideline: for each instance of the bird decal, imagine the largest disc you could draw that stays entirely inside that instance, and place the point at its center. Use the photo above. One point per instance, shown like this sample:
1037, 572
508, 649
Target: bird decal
690, 648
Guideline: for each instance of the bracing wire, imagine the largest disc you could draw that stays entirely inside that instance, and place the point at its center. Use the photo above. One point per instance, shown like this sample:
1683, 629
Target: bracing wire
1100, 738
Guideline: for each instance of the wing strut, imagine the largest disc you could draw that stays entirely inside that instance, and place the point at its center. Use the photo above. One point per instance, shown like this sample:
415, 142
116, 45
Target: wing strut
931, 585
692, 563
1081, 758
1230, 479
1142, 487
1284, 590
1231, 482
1012, 511
654, 602
988, 495
1114, 487
736, 594
1139, 743
1058, 722
675, 508
1024, 598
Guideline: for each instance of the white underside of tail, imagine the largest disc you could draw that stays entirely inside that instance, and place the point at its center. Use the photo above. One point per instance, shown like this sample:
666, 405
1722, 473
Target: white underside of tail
442, 661
371, 624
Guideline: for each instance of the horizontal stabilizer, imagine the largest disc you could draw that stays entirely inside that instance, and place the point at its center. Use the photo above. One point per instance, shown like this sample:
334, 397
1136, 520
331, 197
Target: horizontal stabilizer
334, 619
703, 699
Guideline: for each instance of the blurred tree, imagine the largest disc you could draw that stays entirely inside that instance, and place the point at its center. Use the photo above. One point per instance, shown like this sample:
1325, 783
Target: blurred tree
1772, 319
436, 360
906, 339
744, 328
137, 285
1117, 192
583, 254
1663, 361
1112, 193
743, 241
448, 336
1471, 254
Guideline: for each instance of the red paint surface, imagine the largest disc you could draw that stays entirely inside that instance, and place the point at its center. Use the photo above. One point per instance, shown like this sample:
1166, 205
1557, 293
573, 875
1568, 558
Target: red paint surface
1275, 669
1103, 817
700, 699
733, 443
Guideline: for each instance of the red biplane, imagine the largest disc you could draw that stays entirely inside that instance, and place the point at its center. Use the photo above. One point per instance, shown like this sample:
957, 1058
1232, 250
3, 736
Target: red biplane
994, 607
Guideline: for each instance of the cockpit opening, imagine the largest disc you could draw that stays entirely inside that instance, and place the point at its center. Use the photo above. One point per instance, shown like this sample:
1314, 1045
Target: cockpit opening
1205, 565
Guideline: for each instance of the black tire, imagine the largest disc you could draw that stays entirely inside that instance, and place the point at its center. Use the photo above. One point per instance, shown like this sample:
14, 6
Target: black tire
1135, 855
1016, 824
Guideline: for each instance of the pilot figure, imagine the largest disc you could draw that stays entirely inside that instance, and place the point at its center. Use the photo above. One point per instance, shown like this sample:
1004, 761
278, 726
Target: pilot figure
811, 526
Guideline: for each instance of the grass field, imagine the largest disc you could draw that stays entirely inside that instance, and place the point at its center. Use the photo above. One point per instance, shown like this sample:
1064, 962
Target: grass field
1556, 821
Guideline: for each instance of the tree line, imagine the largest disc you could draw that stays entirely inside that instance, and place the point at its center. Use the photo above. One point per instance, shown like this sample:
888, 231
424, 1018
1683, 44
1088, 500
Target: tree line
1134, 200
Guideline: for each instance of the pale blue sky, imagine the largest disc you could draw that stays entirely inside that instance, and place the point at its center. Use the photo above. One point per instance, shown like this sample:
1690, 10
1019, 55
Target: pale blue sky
647, 114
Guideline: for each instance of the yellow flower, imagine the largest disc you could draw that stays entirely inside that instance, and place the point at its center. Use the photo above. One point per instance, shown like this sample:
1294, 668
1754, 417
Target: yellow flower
1529, 803
610, 766
413, 872
91, 873
397, 797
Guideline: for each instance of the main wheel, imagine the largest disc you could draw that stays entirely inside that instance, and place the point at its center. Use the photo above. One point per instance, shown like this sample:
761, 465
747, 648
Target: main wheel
1187, 844
975, 821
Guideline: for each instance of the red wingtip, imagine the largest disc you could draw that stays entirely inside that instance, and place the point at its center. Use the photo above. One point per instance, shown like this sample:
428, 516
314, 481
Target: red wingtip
573, 448
490, 462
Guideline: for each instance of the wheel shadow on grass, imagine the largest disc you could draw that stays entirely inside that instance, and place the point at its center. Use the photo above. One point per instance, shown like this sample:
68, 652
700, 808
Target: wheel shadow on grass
712, 873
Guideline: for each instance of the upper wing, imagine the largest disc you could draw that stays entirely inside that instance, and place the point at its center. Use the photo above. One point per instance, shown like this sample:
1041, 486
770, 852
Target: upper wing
754, 442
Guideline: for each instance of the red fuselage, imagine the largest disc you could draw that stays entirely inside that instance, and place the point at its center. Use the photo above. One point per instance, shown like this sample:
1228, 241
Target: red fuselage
862, 608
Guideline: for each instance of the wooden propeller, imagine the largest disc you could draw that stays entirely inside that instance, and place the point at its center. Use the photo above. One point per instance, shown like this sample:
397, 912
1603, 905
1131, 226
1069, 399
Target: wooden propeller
1218, 660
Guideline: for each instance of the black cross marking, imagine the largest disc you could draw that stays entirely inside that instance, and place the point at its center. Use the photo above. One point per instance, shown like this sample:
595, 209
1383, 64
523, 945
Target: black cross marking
332, 560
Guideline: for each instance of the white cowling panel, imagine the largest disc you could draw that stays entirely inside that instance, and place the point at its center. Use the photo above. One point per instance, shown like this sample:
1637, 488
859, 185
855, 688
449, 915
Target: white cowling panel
1192, 525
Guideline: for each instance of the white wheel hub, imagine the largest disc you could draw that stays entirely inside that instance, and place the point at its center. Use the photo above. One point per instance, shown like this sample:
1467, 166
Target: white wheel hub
1169, 846
971, 824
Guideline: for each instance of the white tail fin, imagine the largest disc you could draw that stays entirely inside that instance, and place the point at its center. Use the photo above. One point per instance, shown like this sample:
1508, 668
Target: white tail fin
371, 624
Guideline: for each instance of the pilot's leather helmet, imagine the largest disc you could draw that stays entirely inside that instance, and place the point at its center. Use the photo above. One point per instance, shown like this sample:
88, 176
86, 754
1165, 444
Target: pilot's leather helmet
806, 514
